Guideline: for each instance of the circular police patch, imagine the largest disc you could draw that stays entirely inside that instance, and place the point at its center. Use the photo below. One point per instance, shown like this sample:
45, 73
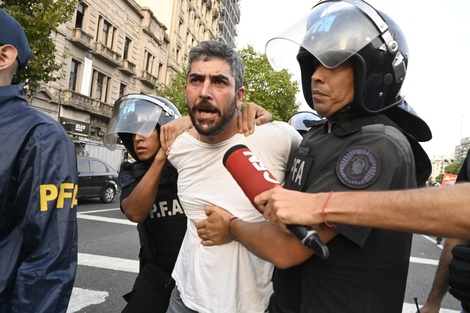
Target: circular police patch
358, 167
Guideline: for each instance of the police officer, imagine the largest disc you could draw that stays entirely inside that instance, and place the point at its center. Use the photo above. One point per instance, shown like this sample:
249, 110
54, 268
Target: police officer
148, 198
353, 62
38, 185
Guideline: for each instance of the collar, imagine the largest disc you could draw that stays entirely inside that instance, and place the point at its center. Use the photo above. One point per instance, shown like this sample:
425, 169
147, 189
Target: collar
11, 93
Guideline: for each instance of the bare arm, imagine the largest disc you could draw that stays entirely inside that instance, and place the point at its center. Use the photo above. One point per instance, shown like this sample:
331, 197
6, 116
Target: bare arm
440, 285
170, 131
251, 114
262, 238
426, 210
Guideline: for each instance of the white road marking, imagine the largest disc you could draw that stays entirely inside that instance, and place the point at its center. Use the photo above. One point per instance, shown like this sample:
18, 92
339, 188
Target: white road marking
411, 308
107, 262
423, 261
99, 211
105, 219
81, 298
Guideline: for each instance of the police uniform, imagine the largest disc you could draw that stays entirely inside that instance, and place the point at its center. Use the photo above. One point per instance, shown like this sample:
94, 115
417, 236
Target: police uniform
367, 268
38, 222
160, 236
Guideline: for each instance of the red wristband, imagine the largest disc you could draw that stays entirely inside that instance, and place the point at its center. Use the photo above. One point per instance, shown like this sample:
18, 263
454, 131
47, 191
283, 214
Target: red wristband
323, 211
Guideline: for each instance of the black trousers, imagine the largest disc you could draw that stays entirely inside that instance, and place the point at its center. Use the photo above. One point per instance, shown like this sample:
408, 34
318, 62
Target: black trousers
151, 292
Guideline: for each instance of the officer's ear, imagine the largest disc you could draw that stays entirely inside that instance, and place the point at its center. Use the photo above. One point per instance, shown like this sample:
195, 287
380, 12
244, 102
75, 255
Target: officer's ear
8, 57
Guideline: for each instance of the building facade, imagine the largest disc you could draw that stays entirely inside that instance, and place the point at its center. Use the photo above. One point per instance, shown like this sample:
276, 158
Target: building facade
192, 21
111, 48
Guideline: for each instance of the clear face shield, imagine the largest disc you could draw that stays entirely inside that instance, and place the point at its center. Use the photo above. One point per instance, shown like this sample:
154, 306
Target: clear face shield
135, 115
332, 32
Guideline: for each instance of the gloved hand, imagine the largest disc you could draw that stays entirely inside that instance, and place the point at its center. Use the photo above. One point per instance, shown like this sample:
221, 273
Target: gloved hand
459, 273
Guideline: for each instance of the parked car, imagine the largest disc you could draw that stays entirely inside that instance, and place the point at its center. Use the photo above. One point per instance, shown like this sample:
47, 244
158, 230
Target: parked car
96, 178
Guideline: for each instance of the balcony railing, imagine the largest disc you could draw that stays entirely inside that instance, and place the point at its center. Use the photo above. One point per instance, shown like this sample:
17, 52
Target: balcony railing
127, 67
85, 103
81, 38
106, 53
149, 78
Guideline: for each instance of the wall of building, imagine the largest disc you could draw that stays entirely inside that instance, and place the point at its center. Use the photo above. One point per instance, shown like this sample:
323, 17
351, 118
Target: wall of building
115, 47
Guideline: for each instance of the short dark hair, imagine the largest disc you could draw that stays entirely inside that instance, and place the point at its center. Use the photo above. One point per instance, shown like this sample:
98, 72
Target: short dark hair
207, 50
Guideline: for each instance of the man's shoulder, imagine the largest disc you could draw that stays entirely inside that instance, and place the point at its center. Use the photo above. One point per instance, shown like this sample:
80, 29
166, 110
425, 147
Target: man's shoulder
275, 127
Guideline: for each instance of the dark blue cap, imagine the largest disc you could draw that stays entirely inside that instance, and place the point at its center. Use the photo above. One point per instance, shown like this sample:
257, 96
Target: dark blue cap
12, 33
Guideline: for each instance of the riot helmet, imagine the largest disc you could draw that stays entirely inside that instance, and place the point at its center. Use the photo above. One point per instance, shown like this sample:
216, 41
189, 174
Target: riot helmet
335, 31
137, 114
301, 120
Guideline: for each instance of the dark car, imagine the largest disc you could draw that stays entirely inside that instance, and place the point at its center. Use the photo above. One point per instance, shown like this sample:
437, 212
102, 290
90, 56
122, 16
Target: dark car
96, 178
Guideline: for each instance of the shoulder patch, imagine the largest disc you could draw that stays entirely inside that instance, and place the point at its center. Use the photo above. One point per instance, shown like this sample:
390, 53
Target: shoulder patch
125, 178
358, 167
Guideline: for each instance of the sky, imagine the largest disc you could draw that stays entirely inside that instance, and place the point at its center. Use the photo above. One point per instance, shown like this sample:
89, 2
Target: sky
438, 37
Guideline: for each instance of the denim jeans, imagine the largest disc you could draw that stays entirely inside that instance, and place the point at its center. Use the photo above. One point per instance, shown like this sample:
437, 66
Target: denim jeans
176, 303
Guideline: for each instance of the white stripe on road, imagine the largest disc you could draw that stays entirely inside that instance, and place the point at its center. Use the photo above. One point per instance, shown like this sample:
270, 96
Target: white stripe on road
132, 266
107, 262
81, 298
411, 308
424, 261
99, 211
105, 219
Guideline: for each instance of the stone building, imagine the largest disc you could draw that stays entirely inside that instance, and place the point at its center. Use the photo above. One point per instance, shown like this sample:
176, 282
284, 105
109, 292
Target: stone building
192, 21
110, 48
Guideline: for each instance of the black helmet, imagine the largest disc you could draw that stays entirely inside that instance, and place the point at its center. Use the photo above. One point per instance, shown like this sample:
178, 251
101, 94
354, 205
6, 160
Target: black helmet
298, 119
335, 31
137, 114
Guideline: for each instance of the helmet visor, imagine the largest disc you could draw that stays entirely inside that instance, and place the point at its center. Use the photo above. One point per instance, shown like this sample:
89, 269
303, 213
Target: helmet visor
133, 115
332, 32
297, 120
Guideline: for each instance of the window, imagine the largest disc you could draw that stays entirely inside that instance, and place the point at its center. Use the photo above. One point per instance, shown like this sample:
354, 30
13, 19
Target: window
74, 67
99, 87
106, 33
127, 45
149, 62
122, 90
160, 69
106, 30
80, 15
83, 165
98, 167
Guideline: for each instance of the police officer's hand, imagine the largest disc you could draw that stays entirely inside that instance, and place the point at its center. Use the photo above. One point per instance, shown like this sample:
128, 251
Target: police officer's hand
252, 113
214, 230
284, 207
170, 131
429, 308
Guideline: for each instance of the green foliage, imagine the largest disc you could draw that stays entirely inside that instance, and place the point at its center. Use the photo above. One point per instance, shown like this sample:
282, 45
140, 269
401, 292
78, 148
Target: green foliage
175, 92
453, 168
275, 91
39, 18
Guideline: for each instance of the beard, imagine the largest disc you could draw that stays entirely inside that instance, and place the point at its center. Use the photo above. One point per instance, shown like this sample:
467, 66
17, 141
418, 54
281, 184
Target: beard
213, 127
